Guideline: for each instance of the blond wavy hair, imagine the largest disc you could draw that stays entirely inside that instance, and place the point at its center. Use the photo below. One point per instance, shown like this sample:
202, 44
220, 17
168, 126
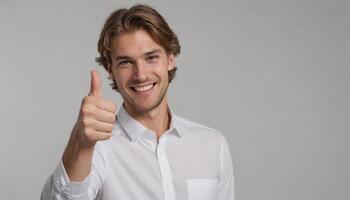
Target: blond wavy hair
137, 17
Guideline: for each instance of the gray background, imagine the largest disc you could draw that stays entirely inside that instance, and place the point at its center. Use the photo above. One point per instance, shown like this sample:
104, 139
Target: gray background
273, 76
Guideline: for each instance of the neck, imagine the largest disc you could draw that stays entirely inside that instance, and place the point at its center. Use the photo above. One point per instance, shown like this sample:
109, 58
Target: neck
157, 119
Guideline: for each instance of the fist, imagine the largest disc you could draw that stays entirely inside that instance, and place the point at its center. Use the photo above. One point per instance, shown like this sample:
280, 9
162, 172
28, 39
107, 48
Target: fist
97, 115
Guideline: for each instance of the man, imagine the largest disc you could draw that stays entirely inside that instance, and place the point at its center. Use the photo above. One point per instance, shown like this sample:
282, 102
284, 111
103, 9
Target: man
145, 152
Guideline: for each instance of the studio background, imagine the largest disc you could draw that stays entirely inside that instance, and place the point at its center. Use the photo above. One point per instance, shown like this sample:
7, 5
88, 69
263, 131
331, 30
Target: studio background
272, 76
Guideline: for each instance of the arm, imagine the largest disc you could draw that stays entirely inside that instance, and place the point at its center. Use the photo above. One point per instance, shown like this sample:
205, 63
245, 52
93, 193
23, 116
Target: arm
71, 179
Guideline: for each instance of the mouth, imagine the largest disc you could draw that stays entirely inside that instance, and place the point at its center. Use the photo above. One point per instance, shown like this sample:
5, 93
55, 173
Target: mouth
143, 88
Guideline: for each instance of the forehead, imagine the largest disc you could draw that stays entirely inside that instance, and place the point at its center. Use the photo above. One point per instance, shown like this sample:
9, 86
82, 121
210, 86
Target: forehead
134, 44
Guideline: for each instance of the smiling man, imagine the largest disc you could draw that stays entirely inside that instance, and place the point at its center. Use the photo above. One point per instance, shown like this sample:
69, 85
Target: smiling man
145, 151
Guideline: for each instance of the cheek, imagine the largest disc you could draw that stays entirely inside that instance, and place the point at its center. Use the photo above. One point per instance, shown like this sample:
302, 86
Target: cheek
119, 77
163, 69
121, 80
161, 72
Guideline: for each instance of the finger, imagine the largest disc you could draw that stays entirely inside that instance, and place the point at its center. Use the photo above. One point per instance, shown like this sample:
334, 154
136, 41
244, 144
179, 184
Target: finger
102, 135
104, 116
95, 86
98, 135
106, 105
102, 126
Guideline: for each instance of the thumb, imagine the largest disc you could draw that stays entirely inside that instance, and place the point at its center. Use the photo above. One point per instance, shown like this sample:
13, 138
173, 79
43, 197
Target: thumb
95, 88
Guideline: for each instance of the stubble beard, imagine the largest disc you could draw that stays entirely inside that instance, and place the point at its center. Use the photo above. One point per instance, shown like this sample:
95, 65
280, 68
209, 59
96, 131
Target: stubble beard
139, 110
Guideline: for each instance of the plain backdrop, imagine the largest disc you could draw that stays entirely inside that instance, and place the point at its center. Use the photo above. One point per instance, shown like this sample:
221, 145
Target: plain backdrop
271, 75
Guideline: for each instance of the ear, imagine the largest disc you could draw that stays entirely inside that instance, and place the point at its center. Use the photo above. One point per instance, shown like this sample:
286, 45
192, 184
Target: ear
110, 72
171, 60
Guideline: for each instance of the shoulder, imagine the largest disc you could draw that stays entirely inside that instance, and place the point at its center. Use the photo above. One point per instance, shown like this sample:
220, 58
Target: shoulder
194, 129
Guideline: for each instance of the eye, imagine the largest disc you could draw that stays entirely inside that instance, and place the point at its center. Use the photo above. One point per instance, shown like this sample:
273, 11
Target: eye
124, 63
152, 59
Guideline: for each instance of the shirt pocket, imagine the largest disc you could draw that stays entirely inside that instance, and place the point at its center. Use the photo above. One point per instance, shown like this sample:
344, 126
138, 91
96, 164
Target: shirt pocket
202, 189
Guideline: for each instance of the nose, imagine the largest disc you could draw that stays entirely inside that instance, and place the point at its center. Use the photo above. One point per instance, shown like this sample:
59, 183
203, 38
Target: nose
140, 71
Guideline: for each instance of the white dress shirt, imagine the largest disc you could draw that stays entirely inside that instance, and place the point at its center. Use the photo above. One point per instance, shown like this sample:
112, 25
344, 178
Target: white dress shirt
189, 162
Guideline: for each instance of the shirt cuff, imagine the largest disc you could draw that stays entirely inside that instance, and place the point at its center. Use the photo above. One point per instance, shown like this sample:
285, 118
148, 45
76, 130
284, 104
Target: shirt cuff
63, 183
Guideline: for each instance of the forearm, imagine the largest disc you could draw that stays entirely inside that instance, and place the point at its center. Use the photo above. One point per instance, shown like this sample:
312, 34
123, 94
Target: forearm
58, 187
74, 177
77, 158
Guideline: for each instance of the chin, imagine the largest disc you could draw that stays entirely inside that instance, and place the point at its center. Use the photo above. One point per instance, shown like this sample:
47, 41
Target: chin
142, 106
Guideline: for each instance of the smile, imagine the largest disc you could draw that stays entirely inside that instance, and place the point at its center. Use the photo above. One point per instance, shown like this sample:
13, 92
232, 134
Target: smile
143, 88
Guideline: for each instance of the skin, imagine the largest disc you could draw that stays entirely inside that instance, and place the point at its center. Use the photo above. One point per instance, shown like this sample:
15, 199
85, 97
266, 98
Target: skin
137, 60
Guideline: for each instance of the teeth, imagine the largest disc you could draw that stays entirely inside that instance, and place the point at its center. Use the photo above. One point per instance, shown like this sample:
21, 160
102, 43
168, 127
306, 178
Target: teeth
143, 88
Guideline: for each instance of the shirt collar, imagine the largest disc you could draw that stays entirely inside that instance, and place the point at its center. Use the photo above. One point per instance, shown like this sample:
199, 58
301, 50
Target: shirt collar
134, 129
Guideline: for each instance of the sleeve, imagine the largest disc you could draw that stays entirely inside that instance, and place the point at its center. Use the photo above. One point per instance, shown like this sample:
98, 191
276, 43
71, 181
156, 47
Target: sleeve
226, 182
59, 187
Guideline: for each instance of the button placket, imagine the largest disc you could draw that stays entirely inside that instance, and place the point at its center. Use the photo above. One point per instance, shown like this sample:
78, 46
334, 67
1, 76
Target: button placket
166, 175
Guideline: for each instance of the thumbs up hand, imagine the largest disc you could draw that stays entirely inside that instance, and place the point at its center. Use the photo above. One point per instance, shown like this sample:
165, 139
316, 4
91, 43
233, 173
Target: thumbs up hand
97, 115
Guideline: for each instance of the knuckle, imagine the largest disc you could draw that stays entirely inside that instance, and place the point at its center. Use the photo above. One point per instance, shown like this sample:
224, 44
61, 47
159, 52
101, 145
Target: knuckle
94, 137
106, 136
98, 101
86, 100
90, 135
110, 118
87, 133
110, 127
113, 107
113, 119
85, 110
85, 122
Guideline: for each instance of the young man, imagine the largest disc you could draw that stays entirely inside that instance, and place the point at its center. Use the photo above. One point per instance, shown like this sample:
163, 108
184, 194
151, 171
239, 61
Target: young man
145, 152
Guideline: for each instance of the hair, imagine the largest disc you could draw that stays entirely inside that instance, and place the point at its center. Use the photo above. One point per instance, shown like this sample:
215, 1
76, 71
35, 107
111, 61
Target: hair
135, 18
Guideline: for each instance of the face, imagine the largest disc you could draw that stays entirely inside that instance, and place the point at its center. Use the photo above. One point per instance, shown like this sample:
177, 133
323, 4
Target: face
140, 67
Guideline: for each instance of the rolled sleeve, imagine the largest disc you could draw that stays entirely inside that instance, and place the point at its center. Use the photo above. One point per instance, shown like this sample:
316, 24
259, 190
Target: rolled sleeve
63, 183
59, 187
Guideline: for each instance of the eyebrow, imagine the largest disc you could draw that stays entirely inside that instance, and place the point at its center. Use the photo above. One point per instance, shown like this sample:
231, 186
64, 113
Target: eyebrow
152, 52
144, 55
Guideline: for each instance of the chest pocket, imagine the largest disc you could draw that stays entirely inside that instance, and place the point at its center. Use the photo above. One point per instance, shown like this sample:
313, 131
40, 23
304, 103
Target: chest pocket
202, 189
